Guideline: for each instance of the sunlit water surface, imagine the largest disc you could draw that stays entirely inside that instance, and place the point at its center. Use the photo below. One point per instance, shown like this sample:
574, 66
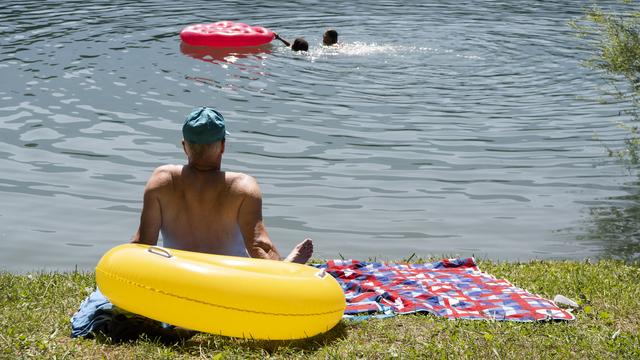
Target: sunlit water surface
445, 128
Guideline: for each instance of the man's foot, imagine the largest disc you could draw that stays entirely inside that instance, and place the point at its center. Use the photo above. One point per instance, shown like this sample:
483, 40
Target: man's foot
301, 253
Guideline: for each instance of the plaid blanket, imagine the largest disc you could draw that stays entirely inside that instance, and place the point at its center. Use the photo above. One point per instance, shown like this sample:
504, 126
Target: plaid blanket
453, 288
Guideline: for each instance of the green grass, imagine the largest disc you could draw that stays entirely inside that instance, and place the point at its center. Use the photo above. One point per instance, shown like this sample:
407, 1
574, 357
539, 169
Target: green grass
35, 311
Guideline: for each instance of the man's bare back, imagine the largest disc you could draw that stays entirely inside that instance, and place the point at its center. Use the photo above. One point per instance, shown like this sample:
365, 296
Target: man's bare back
198, 207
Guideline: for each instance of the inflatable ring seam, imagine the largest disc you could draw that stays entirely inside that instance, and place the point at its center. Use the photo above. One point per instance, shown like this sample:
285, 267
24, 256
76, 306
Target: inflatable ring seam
116, 277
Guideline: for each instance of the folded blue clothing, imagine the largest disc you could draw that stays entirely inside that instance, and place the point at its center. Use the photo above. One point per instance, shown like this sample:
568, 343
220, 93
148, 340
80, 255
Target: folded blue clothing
95, 311
97, 315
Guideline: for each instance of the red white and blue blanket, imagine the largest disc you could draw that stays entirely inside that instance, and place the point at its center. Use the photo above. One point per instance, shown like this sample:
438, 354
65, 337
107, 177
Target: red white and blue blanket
452, 288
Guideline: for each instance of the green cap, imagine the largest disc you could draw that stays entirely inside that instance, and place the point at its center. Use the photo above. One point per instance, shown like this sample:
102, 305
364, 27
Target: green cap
204, 125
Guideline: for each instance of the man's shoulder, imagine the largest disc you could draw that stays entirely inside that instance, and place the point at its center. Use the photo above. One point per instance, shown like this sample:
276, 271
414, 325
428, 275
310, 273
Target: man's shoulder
167, 170
163, 175
241, 182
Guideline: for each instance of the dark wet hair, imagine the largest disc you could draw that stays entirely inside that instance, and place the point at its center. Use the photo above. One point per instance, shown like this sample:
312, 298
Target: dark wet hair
330, 37
300, 44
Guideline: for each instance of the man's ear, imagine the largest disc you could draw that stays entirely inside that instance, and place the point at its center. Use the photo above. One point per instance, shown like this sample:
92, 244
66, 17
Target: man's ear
222, 147
184, 147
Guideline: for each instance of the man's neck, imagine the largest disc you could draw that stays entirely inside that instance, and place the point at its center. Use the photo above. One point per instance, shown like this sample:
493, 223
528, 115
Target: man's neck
204, 167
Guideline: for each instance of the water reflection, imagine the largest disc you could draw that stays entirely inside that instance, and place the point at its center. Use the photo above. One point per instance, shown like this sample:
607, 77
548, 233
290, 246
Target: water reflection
224, 55
617, 227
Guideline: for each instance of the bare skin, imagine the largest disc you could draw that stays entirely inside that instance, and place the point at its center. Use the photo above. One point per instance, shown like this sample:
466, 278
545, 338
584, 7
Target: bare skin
198, 207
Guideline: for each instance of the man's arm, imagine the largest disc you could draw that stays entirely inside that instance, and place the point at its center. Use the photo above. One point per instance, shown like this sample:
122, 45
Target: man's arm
281, 39
151, 217
255, 235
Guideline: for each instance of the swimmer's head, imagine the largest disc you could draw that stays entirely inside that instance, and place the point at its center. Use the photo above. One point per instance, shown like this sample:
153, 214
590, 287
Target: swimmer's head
330, 37
300, 44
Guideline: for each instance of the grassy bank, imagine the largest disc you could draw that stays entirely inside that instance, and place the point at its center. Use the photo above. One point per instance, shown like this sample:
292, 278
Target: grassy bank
35, 311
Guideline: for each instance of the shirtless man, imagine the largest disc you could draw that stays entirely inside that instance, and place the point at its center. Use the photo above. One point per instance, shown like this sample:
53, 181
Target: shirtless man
198, 207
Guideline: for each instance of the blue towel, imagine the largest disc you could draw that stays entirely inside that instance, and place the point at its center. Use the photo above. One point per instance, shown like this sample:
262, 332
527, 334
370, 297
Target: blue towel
98, 316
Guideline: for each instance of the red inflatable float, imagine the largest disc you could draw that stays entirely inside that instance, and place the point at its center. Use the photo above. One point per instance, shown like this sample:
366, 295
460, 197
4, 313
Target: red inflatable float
226, 34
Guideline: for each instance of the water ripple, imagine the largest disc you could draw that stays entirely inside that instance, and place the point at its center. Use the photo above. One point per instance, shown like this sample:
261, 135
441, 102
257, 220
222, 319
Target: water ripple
430, 122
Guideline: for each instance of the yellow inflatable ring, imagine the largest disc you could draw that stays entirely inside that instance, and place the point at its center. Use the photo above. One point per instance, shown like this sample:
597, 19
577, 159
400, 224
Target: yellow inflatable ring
226, 295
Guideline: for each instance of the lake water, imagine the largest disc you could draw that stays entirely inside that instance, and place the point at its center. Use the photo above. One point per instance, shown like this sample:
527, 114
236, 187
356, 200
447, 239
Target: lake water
437, 128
